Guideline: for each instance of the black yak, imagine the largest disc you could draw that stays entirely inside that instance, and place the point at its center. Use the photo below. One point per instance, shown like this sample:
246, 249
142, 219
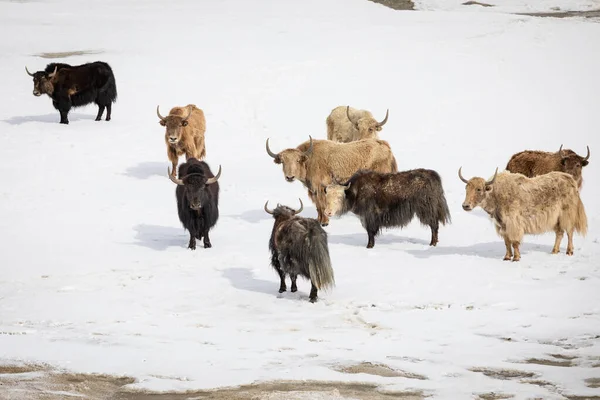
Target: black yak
391, 200
299, 247
197, 196
76, 86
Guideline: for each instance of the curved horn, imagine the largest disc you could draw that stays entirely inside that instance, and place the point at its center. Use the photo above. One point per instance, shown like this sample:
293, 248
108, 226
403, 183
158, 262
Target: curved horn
267, 210
269, 152
345, 186
382, 123
158, 113
348, 115
28, 73
301, 207
210, 181
560, 150
493, 179
309, 151
461, 177
53, 72
189, 114
173, 179
588, 153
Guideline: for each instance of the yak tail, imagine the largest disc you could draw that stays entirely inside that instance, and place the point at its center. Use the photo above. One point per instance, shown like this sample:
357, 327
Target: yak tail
319, 263
581, 218
444, 212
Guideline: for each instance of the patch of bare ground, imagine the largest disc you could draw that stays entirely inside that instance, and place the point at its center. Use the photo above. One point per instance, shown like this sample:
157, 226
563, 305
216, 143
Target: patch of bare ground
504, 374
376, 369
549, 362
494, 396
20, 369
563, 356
565, 14
396, 4
593, 383
581, 397
65, 54
476, 3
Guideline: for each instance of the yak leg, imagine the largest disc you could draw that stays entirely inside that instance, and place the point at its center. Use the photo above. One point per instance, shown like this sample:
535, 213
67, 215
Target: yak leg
371, 233
108, 111
509, 253
100, 112
294, 287
559, 235
434, 233
206, 240
172, 155
192, 244
570, 243
517, 255
64, 105
277, 265
313, 292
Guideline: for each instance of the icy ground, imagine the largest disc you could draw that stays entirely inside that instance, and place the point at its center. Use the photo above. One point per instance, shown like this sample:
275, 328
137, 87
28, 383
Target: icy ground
95, 276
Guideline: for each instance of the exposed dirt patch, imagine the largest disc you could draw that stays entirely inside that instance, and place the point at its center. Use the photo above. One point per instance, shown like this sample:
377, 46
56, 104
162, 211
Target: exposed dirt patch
20, 369
494, 396
565, 14
593, 383
563, 356
552, 363
476, 3
396, 4
68, 53
539, 382
582, 397
376, 369
504, 374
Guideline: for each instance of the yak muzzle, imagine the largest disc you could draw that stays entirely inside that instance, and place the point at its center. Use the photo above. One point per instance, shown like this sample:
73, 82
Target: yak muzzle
36, 93
290, 178
196, 207
467, 207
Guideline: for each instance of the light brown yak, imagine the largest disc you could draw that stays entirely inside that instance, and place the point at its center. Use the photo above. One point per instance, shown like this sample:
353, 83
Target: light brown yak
346, 124
519, 205
533, 163
316, 162
184, 134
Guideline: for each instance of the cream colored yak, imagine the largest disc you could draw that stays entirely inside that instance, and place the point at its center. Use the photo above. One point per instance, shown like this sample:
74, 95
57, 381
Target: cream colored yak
346, 124
519, 205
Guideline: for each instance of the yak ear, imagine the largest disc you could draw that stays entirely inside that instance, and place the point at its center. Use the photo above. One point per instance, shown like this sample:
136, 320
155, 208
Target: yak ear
584, 163
277, 160
184, 123
563, 161
488, 188
163, 123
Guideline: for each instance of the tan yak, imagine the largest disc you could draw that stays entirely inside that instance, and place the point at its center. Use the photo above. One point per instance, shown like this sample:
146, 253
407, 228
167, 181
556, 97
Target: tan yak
184, 134
316, 163
519, 205
533, 163
346, 124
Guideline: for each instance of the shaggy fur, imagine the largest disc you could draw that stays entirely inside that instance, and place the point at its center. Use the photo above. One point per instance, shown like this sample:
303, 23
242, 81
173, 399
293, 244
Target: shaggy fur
77, 86
361, 125
299, 247
391, 200
197, 202
184, 136
519, 205
315, 168
533, 163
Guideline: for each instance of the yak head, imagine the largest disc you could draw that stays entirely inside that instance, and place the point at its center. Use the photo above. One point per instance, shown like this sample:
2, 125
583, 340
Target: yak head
477, 190
571, 163
43, 82
367, 126
284, 211
293, 161
174, 124
335, 198
195, 186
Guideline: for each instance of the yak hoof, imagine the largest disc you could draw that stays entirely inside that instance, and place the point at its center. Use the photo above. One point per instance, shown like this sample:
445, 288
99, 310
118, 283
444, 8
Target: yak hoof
370, 245
281, 290
313, 300
192, 247
108, 119
516, 259
294, 289
507, 258
98, 119
324, 223
207, 245
569, 252
64, 122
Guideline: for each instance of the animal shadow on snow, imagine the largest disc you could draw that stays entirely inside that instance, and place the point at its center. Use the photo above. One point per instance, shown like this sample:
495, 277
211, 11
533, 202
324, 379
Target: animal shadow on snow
243, 279
48, 118
493, 250
259, 215
145, 170
160, 238
361, 239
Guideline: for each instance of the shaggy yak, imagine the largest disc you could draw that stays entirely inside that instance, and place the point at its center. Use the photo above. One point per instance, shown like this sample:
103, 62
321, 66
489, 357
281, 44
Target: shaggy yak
197, 196
76, 86
316, 162
519, 205
533, 163
391, 200
184, 134
299, 247
346, 124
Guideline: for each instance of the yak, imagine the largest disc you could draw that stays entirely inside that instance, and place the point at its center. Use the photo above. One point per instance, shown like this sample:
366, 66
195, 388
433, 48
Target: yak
316, 162
386, 200
533, 163
76, 86
184, 133
347, 124
197, 195
519, 205
299, 247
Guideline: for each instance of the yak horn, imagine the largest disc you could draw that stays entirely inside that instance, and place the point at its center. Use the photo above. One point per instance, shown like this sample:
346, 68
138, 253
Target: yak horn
212, 180
269, 152
348, 115
588, 154
53, 72
301, 207
158, 113
173, 179
267, 209
382, 123
560, 150
28, 73
309, 151
493, 179
189, 114
345, 186
461, 177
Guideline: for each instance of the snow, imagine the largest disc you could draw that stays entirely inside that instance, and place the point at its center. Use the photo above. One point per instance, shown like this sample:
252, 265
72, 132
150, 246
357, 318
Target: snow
508, 6
95, 275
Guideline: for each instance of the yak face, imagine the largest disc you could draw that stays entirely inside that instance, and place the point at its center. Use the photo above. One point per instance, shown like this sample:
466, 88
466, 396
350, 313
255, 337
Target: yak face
175, 124
368, 128
335, 196
477, 190
196, 192
572, 165
294, 164
43, 83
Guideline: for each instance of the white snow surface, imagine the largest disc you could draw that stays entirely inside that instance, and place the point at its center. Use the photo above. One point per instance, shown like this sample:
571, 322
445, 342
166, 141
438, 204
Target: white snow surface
95, 275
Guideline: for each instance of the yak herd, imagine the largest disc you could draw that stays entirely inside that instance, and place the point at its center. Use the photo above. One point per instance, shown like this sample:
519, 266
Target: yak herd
351, 171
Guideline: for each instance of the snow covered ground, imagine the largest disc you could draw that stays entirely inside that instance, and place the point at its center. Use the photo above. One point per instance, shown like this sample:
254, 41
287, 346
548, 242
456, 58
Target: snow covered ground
508, 6
95, 275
